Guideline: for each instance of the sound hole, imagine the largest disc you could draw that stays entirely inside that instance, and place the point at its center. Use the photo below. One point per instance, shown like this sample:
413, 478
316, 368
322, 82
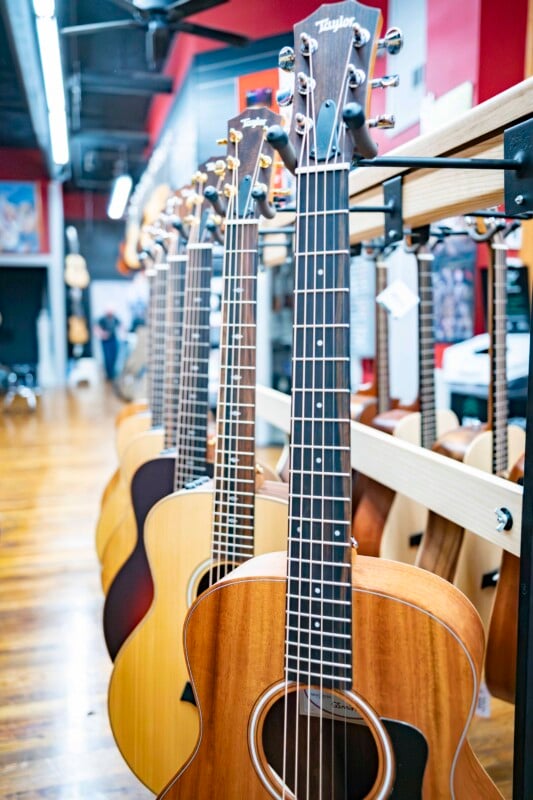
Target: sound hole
214, 574
329, 754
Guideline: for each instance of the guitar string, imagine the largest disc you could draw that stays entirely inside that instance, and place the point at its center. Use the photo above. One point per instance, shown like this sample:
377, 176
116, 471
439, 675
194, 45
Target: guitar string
158, 338
173, 347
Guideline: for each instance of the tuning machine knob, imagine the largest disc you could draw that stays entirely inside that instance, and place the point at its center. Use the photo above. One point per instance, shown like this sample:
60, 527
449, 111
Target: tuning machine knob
383, 121
286, 59
386, 82
306, 84
391, 43
285, 97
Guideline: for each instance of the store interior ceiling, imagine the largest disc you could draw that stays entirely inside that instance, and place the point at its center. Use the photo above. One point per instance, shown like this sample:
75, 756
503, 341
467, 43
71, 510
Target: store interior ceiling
111, 75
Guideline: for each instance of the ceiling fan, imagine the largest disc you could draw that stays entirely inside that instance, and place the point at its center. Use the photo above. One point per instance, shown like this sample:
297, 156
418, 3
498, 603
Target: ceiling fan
160, 19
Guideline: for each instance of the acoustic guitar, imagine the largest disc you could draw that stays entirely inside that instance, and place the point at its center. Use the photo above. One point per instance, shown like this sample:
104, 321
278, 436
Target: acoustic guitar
185, 457
148, 447
446, 549
192, 537
146, 426
327, 674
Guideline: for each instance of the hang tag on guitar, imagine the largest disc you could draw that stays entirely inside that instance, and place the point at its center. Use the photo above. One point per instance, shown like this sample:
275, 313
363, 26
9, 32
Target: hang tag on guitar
483, 708
397, 299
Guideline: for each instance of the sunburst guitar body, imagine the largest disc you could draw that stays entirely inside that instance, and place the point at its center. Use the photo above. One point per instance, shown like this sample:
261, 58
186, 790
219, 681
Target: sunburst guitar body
153, 717
408, 625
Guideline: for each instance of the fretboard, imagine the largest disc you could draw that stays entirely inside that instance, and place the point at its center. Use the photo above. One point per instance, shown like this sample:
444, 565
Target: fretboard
318, 632
426, 349
498, 403
233, 520
157, 348
191, 422
382, 341
174, 328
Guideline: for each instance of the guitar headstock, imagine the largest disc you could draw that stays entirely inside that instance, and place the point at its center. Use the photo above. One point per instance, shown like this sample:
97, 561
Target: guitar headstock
209, 176
248, 162
333, 61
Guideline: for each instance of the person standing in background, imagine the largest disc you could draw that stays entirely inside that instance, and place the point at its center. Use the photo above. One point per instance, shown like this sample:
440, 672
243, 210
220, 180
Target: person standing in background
106, 329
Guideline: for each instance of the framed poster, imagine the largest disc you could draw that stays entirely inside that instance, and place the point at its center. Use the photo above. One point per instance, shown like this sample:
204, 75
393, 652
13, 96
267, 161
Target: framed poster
20, 217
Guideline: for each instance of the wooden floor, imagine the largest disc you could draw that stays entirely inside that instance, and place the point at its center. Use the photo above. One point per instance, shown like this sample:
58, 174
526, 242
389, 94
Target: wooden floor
55, 741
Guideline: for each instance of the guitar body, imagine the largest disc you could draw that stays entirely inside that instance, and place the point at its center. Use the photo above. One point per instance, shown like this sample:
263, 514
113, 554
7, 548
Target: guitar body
400, 616
134, 407
131, 592
479, 557
122, 535
129, 428
154, 729
407, 518
500, 658
110, 487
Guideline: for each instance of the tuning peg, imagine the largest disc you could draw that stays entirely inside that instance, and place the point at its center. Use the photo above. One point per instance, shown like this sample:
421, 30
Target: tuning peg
386, 82
286, 59
235, 136
308, 45
265, 161
285, 97
279, 140
260, 195
212, 195
356, 76
354, 118
360, 36
306, 84
383, 121
232, 162
222, 141
220, 167
391, 43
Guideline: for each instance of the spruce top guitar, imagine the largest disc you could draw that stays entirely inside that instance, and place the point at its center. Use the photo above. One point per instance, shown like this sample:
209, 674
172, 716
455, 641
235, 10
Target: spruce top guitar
323, 675
193, 536
186, 412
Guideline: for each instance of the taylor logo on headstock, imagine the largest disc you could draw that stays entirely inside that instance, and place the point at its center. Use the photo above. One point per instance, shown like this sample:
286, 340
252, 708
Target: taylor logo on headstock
253, 122
333, 25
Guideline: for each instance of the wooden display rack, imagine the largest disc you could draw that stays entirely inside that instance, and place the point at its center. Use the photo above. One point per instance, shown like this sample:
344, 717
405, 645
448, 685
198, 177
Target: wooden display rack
463, 494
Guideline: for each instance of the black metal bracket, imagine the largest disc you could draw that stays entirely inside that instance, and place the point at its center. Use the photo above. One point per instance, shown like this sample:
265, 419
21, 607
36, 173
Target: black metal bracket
517, 163
392, 208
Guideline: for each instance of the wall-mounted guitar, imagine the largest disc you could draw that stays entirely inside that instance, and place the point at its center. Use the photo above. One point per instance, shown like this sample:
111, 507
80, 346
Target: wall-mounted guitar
145, 427
384, 522
194, 536
295, 663
149, 445
184, 459
77, 278
406, 519
446, 549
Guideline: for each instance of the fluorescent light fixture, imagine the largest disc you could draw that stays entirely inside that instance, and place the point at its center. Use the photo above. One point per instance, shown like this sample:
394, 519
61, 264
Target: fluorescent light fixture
50, 52
120, 193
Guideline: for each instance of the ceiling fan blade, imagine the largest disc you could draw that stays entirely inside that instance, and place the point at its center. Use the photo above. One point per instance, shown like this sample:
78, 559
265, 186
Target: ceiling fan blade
98, 27
211, 33
126, 5
185, 8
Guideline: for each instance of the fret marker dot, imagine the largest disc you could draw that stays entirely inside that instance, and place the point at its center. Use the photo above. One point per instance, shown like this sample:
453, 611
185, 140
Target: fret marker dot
317, 624
319, 405
319, 461
320, 343
336, 533
317, 591
299, 529
320, 271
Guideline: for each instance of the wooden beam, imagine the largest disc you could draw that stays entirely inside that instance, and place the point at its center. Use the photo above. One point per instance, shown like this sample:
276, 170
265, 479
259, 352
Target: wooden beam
453, 490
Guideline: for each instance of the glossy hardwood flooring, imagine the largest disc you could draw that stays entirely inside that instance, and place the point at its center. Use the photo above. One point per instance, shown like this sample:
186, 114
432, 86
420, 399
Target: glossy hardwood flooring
55, 741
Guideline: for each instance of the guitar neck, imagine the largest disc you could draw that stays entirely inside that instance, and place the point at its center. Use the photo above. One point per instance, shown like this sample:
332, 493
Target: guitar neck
191, 421
426, 349
382, 341
318, 631
157, 344
498, 402
174, 327
233, 520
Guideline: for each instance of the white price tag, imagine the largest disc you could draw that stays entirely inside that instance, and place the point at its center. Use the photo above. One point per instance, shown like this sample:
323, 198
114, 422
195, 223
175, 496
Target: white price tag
483, 701
398, 299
